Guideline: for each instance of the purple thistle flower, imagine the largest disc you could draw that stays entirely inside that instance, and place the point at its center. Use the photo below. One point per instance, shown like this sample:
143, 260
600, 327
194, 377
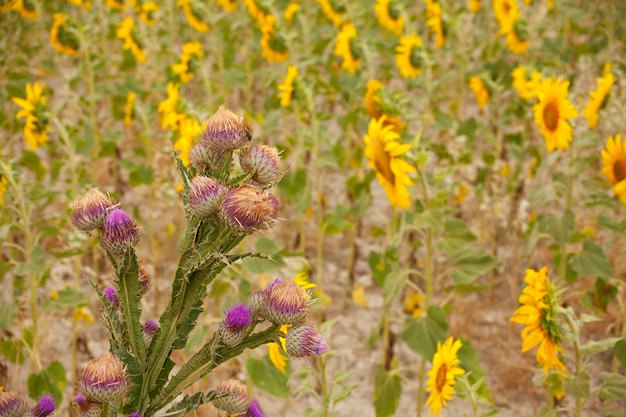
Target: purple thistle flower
86, 408
246, 209
257, 300
205, 196
11, 405
286, 303
233, 328
136, 414
111, 294
80, 399
150, 327
89, 212
226, 131
254, 410
44, 407
120, 231
303, 340
104, 379
262, 162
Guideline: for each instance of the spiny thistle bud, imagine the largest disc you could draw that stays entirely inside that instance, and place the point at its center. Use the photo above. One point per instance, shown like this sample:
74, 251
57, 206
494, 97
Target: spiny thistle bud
237, 402
201, 157
89, 212
262, 162
247, 209
257, 301
233, 328
104, 379
149, 328
135, 414
120, 231
303, 340
144, 280
286, 303
205, 196
226, 131
254, 410
111, 294
11, 405
44, 407
86, 408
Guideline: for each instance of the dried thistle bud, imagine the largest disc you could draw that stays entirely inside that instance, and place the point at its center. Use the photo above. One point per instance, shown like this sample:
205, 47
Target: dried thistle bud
104, 379
303, 340
144, 280
254, 410
205, 196
233, 328
237, 402
120, 231
247, 209
225, 131
11, 405
111, 294
263, 162
44, 407
86, 408
286, 303
89, 212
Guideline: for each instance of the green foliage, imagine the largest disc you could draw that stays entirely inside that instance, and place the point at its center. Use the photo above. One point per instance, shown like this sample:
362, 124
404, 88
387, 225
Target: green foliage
264, 375
387, 390
422, 334
50, 380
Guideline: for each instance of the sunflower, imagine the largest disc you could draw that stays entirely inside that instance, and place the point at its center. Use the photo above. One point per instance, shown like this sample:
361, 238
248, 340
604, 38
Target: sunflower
552, 112
4, 187
34, 110
191, 50
80, 3
26, 8
256, 11
129, 108
273, 44
333, 10
435, 22
192, 14
61, 38
473, 5
275, 352
413, 304
189, 129
480, 91
409, 56
537, 312
442, 376
125, 31
506, 12
384, 151
388, 12
290, 13
287, 87
376, 107
346, 48
146, 12
517, 39
116, 4
229, 6
169, 108
598, 98
614, 165
526, 88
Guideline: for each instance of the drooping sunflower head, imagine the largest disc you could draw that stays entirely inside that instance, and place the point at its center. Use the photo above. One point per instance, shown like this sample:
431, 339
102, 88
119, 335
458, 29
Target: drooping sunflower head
517, 39
614, 165
194, 12
410, 56
442, 376
62, 35
389, 14
480, 91
334, 10
599, 97
552, 113
348, 48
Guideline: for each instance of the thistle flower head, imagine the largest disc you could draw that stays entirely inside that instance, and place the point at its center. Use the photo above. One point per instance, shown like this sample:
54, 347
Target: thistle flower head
303, 340
247, 209
226, 131
201, 157
144, 280
286, 303
111, 294
11, 405
89, 212
262, 162
237, 402
104, 379
254, 410
44, 407
233, 328
120, 231
257, 300
205, 196
86, 408
149, 327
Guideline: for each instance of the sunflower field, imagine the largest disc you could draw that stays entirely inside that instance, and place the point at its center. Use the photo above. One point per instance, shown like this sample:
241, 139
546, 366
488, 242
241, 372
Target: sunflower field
312, 208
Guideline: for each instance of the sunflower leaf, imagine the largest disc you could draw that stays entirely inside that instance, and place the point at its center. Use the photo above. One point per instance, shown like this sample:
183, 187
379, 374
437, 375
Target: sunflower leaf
387, 390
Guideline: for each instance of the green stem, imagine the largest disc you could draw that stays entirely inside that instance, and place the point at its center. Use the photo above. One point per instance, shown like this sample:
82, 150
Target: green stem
324, 386
105, 410
578, 361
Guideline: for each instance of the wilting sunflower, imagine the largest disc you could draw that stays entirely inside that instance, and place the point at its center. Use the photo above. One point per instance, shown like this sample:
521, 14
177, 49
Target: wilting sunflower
62, 38
442, 376
191, 50
473, 5
552, 113
125, 31
35, 111
480, 91
614, 165
229, 6
376, 107
169, 109
525, 87
129, 108
598, 98
538, 313
287, 87
273, 44
384, 151
26, 8
435, 22
413, 304
409, 56
193, 15
333, 10
517, 38
146, 11
506, 12
346, 48
389, 16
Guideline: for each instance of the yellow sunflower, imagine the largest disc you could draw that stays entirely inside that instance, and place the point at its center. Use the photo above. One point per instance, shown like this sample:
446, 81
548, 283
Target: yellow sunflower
191, 50
61, 38
116, 4
442, 376
614, 165
413, 304
598, 98
552, 113
193, 15
473, 5
388, 12
255, 11
384, 151
189, 129
275, 353
287, 87
506, 12
434, 22
4, 187
409, 56
526, 88
79, 3
376, 108
537, 312
347, 50
147, 11
273, 44
125, 31
169, 108
480, 91
333, 10
229, 6
129, 108
517, 39
290, 13
34, 110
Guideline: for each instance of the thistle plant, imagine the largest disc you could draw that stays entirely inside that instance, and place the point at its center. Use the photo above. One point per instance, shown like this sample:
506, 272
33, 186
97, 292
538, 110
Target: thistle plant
226, 197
